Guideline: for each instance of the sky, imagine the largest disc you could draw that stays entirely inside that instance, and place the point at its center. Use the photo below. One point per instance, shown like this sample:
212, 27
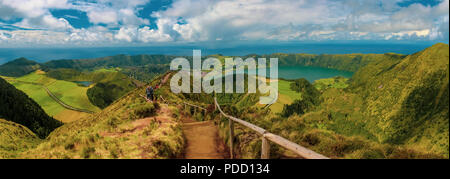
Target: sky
98, 23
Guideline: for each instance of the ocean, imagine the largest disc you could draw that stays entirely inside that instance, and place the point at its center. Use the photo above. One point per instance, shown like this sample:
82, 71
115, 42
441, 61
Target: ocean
47, 54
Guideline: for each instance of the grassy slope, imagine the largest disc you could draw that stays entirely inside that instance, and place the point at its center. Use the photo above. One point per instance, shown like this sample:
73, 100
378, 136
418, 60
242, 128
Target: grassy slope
342, 126
70, 93
286, 96
336, 82
408, 99
18, 67
110, 134
15, 138
18, 107
109, 84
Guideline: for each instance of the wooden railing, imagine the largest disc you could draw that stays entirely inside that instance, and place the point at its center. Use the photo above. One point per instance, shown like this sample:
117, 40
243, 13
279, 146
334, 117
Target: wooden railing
266, 137
188, 104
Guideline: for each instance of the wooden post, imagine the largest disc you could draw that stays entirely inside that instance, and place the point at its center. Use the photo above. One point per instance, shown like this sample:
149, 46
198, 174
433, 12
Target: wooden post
231, 126
265, 148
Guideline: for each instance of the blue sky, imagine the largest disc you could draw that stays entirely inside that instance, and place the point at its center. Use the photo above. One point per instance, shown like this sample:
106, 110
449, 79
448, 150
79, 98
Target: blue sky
37, 23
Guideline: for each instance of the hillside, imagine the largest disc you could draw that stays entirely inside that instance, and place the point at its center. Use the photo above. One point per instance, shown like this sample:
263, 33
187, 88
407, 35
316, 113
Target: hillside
394, 107
112, 61
107, 87
17, 107
36, 84
18, 67
15, 138
346, 62
129, 128
408, 99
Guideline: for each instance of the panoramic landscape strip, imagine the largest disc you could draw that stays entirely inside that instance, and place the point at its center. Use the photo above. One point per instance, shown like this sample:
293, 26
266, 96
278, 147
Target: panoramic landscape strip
205, 83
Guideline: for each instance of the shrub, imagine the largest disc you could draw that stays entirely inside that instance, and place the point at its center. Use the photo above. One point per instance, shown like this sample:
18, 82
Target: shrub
146, 110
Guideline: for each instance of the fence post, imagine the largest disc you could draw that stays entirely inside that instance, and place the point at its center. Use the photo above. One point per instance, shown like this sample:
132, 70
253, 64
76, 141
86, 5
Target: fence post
265, 148
231, 126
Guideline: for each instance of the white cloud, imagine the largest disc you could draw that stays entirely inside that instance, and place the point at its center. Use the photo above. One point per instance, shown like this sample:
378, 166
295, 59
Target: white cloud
34, 13
113, 12
29, 8
145, 34
106, 17
301, 20
117, 22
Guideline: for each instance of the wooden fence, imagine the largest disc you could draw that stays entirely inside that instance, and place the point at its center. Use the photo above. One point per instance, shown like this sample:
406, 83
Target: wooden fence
266, 137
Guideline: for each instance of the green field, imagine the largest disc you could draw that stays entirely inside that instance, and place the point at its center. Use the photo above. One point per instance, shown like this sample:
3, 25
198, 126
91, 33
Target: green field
68, 92
286, 96
336, 82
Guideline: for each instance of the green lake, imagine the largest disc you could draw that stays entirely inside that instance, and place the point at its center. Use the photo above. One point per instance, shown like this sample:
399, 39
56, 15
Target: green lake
309, 73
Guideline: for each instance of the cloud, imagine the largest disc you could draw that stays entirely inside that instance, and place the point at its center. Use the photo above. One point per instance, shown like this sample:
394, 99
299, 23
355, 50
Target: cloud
145, 34
303, 20
113, 22
113, 12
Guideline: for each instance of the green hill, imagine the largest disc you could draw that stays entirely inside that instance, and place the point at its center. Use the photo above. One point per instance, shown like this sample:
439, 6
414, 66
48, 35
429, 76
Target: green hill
17, 107
407, 100
393, 107
346, 62
18, 67
108, 85
112, 61
15, 138
129, 128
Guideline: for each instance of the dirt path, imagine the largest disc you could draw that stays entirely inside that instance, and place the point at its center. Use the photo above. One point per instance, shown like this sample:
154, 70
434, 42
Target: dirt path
202, 141
165, 79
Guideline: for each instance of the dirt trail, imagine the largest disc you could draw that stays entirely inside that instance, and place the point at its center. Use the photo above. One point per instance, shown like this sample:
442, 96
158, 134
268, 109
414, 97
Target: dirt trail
202, 141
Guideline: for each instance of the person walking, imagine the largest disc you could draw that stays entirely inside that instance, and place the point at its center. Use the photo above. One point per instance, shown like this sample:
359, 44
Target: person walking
149, 91
151, 94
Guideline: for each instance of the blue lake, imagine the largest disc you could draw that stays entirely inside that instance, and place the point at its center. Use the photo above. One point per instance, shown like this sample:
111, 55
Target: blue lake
83, 83
310, 73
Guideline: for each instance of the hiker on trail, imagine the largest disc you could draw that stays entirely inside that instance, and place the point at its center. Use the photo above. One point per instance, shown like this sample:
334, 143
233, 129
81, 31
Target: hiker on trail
149, 91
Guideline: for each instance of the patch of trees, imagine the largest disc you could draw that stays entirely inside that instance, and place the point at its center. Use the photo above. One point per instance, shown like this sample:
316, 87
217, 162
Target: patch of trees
145, 73
310, 98
105, 93
17, 107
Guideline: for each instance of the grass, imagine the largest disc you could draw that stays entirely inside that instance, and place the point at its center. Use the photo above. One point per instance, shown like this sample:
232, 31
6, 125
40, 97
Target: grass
286, 96
112, 133
15, 138
335, 82
72, 94
68, 92
38, 94
117, 69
